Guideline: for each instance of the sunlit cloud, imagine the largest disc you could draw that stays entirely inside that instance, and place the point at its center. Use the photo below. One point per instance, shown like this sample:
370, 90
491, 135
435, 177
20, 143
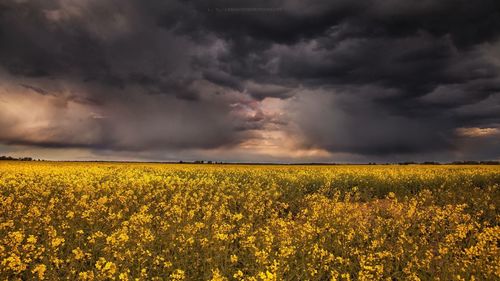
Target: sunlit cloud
475, 132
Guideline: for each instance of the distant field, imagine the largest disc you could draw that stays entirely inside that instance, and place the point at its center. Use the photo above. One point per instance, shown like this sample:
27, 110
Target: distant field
101, 221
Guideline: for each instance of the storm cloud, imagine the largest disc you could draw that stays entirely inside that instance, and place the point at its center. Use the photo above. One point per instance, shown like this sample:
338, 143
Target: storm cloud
284, 81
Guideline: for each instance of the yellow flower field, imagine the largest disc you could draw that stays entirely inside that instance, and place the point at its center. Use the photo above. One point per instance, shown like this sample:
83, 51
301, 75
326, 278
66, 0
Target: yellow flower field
122, 221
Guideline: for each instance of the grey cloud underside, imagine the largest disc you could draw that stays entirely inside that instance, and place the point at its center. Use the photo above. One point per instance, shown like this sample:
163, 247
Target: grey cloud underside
363, 77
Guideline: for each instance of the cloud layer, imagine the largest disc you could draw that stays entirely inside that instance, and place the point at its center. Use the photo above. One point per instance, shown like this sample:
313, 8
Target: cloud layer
251, 80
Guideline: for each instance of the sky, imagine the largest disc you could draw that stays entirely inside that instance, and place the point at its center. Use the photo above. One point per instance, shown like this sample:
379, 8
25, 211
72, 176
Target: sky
250, 81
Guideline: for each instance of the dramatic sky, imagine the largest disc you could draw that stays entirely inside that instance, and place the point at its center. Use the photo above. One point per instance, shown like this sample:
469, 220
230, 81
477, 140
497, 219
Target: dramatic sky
266, 81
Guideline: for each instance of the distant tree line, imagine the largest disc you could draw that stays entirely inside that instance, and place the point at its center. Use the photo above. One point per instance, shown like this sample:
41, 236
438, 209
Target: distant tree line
476, 162
370, 163
201, 162
10, 158
453, 163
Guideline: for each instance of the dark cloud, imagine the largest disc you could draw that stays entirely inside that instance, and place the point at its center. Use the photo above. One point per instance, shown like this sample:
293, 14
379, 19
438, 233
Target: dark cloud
224, 79
379, 78
262, 91
35, 89
356, 125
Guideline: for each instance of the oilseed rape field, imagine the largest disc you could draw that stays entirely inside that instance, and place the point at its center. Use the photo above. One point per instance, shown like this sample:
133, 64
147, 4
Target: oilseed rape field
136, 221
